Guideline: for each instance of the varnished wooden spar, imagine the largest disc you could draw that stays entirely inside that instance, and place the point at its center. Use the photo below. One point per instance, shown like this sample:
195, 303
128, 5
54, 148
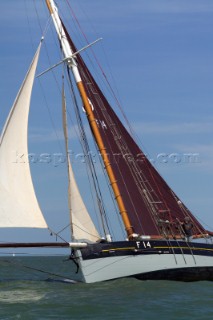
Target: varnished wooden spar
91, 118
43, 245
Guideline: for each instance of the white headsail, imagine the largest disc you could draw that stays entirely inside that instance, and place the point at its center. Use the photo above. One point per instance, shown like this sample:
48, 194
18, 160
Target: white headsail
18, 204
82, 225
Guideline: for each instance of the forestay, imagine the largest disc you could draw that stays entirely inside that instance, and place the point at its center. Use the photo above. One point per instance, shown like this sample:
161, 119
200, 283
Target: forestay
81, 223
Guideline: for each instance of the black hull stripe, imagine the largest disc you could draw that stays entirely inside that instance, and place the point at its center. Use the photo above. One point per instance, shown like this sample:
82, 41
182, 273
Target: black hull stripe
132, 248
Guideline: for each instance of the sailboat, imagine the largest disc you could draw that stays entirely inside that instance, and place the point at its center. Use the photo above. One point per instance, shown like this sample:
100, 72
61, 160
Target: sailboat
163, 239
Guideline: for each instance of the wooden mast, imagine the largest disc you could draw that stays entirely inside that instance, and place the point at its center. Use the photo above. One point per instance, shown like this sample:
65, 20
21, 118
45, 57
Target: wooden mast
90, 115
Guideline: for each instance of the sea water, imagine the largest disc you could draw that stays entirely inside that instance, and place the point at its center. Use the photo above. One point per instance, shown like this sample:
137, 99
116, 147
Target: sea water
42, 288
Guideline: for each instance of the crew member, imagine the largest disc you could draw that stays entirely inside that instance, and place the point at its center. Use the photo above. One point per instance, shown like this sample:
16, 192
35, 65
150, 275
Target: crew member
188, 227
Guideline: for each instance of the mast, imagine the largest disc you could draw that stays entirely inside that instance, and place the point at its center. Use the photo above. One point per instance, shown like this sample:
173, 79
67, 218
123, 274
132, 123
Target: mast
64, 114
91, 118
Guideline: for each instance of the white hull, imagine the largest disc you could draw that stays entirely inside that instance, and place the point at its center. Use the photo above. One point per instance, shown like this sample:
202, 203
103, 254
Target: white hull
108, 268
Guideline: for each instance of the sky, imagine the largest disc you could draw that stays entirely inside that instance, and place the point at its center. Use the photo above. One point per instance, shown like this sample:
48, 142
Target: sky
158, 55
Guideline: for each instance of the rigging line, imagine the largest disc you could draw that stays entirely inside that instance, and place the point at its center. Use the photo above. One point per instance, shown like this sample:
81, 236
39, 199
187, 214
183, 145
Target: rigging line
187, 243
94, 176
43, 31
97, 35
170, 230
99, 199
202, 222
133, 175
28, 22
82, 44
132, 131
102, 71
186, 213
85, 146
50, 115
57, 235
158, 189
60, 231
40, 83
112, 197
99, 196
48, 24
134, 170
79, 135
41, 86
36, 269
86, 231
181, 251
76, 19
39, 22
123, 147
109, 119
89, 178
87, 77
65, 132
169, 244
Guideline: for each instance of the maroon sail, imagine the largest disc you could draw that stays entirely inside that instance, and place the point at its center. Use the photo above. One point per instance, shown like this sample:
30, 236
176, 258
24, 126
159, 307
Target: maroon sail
152, 207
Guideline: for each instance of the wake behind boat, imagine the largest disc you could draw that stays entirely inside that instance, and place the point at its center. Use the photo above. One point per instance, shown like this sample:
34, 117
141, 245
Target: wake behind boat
162, 235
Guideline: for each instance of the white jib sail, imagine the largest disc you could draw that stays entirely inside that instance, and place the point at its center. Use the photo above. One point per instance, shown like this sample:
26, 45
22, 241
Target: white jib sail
82, 225
18, 204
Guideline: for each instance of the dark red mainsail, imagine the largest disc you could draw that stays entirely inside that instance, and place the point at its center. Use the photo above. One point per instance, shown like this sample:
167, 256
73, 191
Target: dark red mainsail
153, 208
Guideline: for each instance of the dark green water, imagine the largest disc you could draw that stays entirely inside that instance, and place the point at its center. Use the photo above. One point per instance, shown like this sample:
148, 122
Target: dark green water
26, 294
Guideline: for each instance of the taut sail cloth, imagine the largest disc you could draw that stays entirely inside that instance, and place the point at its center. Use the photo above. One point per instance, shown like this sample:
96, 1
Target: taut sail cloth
82, 226
18, 203
152, 207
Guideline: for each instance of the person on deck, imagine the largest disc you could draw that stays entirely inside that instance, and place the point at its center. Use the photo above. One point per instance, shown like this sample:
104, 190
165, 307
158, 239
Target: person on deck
187, 228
